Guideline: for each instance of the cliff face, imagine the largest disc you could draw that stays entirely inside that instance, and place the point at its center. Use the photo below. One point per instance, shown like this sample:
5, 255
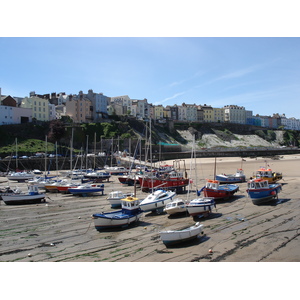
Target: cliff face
233, 140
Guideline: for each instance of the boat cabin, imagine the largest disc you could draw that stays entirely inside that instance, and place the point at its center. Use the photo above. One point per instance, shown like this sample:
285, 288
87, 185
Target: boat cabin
116, 195
130, 203
239, 172
262, 172
212, 184
175, 204
33, 189
258, 184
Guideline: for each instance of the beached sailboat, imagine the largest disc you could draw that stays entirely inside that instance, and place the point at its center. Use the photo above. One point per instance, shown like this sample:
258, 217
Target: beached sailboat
260, 191
201, 206
130, 213
97, 176
173, 237
32, 196
20, 176
86, 189
157, 201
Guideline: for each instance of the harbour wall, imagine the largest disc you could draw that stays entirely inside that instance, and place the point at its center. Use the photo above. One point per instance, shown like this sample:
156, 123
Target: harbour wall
64, 163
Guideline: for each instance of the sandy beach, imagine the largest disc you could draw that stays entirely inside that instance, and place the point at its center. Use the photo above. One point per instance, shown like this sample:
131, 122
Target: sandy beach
61, 229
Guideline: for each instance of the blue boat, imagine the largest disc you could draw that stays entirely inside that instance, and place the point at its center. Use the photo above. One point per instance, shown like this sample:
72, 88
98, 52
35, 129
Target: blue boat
260, 191
129, 213
239, 176
86, 189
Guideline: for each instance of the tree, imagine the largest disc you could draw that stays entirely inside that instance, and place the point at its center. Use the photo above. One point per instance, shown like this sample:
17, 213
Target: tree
56, 130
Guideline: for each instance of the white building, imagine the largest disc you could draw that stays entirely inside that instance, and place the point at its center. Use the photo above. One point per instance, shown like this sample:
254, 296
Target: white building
235, 114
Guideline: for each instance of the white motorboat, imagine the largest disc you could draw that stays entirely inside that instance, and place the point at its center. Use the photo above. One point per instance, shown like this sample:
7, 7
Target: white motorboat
33, 196
201, 206
157, 200
171, 237
176, 206
130, 213
114, 198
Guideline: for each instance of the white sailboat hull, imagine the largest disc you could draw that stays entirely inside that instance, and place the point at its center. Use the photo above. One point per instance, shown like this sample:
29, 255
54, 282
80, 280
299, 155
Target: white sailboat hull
171, 237
200, 206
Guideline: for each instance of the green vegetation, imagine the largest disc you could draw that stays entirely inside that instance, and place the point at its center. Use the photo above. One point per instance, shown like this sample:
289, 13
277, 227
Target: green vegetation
31, 136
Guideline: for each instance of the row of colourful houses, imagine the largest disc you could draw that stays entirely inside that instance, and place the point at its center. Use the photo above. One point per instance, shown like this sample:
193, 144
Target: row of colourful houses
94, 107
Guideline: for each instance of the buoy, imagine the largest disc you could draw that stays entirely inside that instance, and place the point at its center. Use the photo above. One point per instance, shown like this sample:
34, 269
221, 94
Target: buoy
79, 217
29, 255
210, 251
145, 227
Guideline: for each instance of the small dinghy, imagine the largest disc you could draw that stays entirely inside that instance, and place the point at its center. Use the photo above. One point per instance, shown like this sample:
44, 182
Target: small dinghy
130, 213
172, 237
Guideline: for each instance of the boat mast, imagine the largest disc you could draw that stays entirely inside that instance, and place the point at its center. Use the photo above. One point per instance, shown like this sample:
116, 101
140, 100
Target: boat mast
46, 155
56, 158
86, 152
95, 150
16, 153
71, 159
215, 168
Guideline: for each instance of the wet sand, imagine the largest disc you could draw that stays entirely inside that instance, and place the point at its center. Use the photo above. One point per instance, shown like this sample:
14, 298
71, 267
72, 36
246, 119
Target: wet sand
61, 230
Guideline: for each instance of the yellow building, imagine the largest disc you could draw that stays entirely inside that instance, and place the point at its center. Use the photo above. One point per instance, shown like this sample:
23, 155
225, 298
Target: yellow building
39, 106
218, 114
158, 112
208, 113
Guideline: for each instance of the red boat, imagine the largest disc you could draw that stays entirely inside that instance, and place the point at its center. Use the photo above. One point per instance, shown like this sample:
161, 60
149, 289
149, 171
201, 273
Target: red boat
213, 189
169, 181
65, 188
129, 179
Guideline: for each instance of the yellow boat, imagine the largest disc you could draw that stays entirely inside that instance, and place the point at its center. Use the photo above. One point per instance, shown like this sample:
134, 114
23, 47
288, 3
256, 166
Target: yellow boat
268, 174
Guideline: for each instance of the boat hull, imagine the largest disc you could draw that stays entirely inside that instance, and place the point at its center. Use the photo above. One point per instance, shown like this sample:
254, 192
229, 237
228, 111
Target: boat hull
223, 192
178, 185
84, 192
260, 196
173, 237
154, 202
116, 219
22, 199
230, 179
200, 206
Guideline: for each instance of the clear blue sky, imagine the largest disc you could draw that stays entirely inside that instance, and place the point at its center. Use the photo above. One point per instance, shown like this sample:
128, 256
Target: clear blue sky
260, 73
